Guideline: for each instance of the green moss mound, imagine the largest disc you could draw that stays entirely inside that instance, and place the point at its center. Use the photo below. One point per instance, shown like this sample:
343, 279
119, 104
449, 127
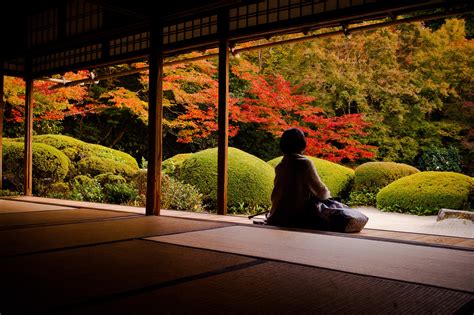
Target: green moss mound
373, 176
49, 164
425, 193
76, 149
250, 179
337, 178
91, 159
58, 158
172, 165
95, 165
73, 148
109, 178
113, 155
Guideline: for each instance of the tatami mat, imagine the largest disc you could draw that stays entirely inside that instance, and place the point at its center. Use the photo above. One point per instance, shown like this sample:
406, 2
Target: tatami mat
12, 220
427, 265
45, 282
425, 239
280, 288
79, 204
34, 239
11, 206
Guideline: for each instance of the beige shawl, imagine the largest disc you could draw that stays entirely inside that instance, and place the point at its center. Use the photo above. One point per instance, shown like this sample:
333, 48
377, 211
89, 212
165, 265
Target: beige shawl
296, 181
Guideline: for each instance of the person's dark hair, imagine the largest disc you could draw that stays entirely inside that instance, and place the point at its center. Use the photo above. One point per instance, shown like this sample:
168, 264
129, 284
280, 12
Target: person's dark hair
292, 141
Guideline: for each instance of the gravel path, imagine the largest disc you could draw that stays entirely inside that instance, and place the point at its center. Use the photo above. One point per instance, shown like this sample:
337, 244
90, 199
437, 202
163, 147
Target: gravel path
417, 224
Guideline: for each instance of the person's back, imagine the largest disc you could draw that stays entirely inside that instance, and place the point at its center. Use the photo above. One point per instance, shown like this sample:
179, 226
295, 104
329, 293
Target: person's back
296, 182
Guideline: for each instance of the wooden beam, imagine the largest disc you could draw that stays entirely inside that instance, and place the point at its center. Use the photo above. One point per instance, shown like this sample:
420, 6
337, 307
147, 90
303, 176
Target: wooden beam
28, 155
155, 123
235, 51
2, 109
223, 119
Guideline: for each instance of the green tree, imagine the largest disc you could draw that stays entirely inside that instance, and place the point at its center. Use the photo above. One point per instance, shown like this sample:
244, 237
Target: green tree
413, 83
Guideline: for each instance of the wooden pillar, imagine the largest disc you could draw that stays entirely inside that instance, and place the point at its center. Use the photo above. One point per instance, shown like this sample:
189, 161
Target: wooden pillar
223, 116
155, 123
28, 156
2, 110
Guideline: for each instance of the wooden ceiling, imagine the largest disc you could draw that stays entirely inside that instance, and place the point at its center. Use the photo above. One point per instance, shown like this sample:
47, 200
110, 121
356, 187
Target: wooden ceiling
51, 36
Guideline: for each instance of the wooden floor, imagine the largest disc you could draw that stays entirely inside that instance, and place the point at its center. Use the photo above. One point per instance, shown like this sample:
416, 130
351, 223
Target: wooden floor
72, 259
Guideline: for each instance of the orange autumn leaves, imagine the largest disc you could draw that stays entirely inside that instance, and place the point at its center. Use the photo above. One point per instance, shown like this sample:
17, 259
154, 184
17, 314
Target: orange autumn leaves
190, 106
270, 102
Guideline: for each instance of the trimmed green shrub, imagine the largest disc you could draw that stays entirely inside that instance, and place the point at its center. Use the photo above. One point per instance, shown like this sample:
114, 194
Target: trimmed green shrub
95, 165
425, 193
59, 190
13, 164
109, 178
114, 155
103, 159
73, 148
172, 165
373, 176
58, 156
119, 193
85, 188
49, 165
250, 180
336, 177
175, 194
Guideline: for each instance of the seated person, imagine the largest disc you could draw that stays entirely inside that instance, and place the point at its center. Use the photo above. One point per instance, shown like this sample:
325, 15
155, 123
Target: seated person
296, 185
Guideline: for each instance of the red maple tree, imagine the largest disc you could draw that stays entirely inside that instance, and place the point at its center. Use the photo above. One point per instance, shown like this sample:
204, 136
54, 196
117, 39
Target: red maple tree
277, 106
271, 102
48, 104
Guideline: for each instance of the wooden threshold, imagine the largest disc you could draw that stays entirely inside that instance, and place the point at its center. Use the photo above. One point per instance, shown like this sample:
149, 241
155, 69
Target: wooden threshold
375, 234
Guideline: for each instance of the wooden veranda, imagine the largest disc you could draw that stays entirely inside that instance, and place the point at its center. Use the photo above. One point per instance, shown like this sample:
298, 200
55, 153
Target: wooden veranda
71, 258
42, 38
66, 257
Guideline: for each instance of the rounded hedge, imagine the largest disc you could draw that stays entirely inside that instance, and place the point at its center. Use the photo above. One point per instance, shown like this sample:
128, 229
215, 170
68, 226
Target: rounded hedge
336, 177
112, 154
73, 148
76, 149
91, 159
172, 165
95, 165
425, 193
109, 178
49, 164
373, 176
250, 180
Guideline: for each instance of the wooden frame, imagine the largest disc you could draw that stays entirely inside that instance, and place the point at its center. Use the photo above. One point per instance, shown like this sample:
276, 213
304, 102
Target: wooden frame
52, 57
155, 124
2, 109
223, 116
28, 151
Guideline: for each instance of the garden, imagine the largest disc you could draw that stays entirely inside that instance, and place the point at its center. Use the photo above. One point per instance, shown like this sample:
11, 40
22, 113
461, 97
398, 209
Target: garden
387, 114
